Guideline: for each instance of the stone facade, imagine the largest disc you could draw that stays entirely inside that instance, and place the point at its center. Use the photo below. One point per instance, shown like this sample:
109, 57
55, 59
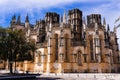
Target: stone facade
71, 43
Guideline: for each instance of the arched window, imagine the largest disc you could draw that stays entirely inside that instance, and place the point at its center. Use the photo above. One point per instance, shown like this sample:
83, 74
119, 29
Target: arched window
101, 49
66, 48
61, 41
97, 46
111, 58
79, 58
101, 45
91, 49
56, 47
39, 57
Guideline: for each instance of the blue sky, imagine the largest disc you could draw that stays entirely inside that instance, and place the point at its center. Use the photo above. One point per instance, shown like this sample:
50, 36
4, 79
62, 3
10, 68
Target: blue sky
36, 9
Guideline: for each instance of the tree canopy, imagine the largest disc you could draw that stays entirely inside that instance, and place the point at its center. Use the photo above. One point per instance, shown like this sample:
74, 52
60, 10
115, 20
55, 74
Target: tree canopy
14, 45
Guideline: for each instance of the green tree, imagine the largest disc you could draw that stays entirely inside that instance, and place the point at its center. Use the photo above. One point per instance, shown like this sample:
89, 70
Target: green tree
3, 51
15, 45
2, 32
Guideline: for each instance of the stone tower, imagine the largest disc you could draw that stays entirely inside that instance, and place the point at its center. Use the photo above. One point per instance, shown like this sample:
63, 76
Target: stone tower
75, 19
94, 18
51, 17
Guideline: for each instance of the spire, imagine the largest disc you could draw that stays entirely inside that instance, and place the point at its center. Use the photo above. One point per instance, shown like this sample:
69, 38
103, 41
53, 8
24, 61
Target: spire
84, 22
40, 21
61, 18
64, 17
14, 17
114, 29
37, 22
104, 22
50, 26
13, 21
18, 20
27, 18
108, 28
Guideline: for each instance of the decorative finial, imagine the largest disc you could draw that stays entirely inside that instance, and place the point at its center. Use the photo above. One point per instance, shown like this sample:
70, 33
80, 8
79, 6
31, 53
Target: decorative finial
64, 17
27, 18
104, 22
108, 28
18, 20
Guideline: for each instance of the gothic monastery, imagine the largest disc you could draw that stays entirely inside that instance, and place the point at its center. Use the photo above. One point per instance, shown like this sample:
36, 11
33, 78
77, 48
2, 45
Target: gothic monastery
70, 44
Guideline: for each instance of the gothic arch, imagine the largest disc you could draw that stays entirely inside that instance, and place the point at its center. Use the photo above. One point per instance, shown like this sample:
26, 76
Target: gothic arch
66, 36
55, 35
79, 57
91, 47
56, 46
101, 39
39, 56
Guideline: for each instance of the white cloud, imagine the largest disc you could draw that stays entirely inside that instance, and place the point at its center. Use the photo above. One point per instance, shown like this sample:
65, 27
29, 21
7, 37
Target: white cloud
31, 4
25, 4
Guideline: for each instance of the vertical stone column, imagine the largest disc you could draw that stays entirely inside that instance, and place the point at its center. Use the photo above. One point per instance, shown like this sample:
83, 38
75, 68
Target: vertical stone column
42, 59
49, 50
36, 62
94, 49
49, 55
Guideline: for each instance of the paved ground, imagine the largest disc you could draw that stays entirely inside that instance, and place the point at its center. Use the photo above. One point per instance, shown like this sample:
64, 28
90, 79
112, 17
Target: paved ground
18, 76
80, 76
62, 76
